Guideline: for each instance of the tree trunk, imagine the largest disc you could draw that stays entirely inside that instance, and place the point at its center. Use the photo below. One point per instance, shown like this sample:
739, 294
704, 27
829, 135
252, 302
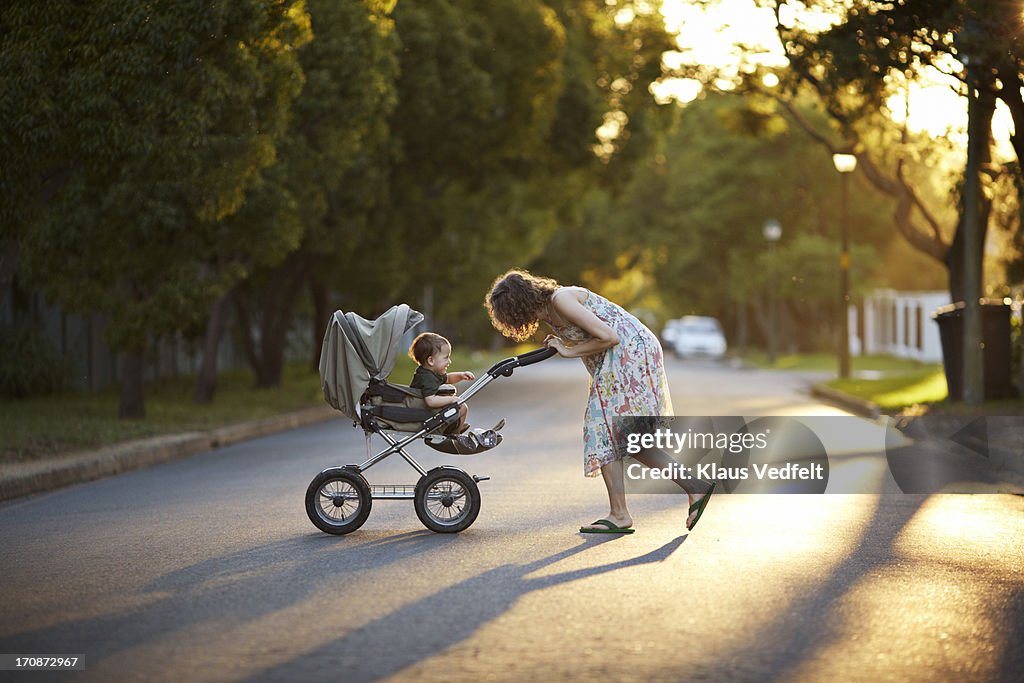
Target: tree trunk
321, 311
954, 259
277, 310
245, 335
762, 324
206, 382
1020, 367
133, 406
277, 322
741, 326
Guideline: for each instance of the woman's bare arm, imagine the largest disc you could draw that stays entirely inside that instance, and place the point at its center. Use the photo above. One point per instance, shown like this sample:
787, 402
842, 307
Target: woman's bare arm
569, 308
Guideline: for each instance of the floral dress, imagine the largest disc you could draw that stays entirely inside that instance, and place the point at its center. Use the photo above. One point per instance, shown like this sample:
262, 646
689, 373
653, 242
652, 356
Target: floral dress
627, 379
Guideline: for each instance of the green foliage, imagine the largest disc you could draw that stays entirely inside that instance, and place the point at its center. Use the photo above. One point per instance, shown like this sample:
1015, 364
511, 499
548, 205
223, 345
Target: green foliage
693, 215
161, 154
876, 50
495, 131
29, 366
314, 204
340, 145
126, 147
468, 131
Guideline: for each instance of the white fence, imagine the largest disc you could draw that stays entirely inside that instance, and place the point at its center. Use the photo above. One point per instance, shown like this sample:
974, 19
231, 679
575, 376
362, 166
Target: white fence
899, 324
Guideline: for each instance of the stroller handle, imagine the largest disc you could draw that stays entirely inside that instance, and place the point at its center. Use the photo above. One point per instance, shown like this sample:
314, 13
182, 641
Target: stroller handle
536, 356
504, 368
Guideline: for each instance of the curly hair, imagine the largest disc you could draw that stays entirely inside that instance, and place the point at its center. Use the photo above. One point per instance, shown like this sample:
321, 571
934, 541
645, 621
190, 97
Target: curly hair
515, 300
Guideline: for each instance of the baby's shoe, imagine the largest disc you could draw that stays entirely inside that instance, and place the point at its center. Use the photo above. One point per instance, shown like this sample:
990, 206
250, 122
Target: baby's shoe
486, 438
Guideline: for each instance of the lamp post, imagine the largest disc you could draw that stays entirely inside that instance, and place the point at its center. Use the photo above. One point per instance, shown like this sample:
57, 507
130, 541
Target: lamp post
772, 231
845, 164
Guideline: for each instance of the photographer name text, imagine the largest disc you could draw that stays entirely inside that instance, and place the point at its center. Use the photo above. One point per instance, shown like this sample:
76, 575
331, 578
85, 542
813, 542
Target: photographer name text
789, 471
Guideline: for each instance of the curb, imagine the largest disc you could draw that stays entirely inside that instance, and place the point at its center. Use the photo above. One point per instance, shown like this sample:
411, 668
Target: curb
845, 401
1007, 459
1001, 457
23, 479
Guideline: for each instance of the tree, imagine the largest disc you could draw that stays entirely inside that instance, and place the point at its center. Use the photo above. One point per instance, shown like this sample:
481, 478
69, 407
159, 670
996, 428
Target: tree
608, 126
478, 92
328, 178
133, 130
874, 50
691, 219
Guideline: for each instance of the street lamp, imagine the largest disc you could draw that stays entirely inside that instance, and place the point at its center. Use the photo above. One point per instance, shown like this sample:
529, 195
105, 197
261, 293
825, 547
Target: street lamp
772, 231
845, 164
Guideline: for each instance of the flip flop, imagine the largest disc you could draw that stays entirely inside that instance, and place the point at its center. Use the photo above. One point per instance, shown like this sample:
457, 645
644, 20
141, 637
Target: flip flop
699, 506
612, 528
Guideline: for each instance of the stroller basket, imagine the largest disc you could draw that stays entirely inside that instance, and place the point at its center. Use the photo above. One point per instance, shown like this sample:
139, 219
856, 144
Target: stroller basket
393, 491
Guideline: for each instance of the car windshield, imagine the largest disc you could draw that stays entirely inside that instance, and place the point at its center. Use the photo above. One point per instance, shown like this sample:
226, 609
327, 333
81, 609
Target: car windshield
700, 327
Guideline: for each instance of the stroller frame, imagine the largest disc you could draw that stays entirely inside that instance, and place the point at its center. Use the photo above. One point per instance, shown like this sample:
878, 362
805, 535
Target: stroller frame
446, 498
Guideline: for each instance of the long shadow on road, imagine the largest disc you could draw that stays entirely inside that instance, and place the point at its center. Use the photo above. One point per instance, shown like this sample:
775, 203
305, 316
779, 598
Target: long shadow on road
256, 583
806, 629
241, 586
444, 619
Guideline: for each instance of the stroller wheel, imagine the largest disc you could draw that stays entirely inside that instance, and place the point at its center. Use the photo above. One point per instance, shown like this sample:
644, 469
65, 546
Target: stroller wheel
447, 500
338, 500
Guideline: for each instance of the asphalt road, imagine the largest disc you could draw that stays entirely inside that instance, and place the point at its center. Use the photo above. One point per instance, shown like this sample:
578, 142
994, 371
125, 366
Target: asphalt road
207, 569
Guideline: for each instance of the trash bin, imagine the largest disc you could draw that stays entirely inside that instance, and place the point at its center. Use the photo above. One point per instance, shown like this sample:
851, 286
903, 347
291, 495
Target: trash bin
996, 355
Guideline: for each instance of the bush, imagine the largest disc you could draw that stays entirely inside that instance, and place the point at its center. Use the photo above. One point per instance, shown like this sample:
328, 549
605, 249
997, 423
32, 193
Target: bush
29, 365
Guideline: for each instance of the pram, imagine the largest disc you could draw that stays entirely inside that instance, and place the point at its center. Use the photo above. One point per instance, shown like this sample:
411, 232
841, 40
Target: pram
356, 358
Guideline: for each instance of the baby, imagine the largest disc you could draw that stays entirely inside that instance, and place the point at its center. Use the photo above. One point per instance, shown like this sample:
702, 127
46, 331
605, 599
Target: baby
433, 354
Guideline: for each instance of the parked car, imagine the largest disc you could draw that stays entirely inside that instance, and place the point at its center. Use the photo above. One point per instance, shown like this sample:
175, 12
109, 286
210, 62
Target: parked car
695, 335
669, 332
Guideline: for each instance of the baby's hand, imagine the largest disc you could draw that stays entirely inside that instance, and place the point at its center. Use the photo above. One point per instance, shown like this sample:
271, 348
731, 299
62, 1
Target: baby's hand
469, 376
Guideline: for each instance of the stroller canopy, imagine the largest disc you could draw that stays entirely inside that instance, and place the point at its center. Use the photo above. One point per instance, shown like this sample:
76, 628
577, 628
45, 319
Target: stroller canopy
357, 350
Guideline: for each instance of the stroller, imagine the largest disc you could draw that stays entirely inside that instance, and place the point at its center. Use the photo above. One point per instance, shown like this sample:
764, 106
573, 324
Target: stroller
356, 358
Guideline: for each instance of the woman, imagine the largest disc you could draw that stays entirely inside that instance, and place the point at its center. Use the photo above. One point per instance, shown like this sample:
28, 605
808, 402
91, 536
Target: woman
627, 373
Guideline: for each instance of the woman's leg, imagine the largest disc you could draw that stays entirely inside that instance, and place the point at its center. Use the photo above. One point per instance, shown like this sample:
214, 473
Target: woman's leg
613, 474
657, 459
696, 489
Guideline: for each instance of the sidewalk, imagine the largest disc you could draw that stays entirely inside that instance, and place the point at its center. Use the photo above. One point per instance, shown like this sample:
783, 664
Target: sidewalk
999, 438
26, 478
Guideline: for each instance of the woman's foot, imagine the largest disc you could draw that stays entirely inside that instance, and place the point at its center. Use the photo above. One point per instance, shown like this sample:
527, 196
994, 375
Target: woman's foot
623, 522
696, 508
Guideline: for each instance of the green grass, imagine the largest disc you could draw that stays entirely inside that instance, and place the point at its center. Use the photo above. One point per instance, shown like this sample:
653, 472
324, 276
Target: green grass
926, 385
53, 425
80, 420
827, 362
900, 382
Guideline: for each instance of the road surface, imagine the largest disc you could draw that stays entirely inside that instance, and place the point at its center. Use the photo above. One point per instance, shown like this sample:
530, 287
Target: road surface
207, 569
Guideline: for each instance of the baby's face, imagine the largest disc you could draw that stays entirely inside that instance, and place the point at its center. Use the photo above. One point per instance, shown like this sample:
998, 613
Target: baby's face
439, 362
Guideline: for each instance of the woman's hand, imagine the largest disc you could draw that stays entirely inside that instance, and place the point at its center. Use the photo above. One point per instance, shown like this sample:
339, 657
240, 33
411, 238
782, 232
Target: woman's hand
556, 343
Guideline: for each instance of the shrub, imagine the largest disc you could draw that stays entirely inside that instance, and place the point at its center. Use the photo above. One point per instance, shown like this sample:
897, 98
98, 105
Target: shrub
29, 365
